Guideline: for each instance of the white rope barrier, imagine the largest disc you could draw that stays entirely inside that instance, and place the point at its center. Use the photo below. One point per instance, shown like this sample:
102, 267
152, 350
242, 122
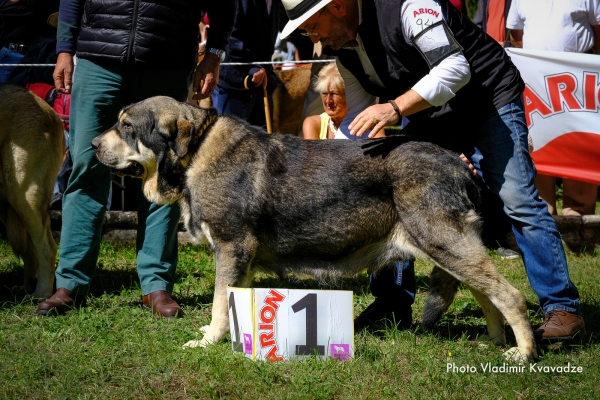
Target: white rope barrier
225, 63
27, 65
280, 62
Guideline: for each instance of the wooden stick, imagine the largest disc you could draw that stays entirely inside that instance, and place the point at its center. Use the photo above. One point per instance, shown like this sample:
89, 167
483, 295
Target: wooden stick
266, 101
267, 110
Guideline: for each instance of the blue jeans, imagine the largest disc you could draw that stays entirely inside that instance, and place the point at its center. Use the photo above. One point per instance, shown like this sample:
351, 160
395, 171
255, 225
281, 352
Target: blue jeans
396, 282
502, 159
8, 56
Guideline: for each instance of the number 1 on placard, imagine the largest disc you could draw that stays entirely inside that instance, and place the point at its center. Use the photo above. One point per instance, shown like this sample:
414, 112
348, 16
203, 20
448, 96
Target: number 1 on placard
237, 345
309, 302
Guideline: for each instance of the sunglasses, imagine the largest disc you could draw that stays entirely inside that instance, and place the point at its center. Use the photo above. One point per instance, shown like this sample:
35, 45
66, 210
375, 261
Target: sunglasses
312, 31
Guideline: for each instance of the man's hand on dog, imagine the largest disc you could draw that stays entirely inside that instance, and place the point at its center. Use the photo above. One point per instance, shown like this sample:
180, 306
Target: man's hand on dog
206, 76
63, 73
471, 167
374, 118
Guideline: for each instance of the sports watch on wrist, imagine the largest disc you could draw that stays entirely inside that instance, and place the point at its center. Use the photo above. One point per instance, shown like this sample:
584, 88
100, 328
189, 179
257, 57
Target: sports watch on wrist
218, 53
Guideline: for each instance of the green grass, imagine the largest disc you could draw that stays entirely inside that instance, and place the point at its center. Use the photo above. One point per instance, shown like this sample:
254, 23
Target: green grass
114, 350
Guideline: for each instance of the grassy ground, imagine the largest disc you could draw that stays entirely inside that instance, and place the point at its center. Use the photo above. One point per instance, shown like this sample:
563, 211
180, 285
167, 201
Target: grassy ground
115, 350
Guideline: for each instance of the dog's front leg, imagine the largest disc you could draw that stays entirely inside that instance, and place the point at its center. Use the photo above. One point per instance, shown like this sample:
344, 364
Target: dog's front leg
231, 271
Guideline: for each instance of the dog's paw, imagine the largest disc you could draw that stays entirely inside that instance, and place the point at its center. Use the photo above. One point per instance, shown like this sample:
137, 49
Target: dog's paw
193, 343
209, 336
200, 343
515, 355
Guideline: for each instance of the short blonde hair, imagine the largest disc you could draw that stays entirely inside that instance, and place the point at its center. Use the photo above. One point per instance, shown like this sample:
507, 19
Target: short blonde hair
329, 75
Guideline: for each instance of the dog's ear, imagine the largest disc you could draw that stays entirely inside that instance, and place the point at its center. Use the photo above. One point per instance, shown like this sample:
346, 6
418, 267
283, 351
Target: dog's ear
191, 127
185, 133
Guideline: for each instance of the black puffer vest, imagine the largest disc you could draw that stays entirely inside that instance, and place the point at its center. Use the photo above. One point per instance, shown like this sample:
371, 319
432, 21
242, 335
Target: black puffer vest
495, 81
158, 33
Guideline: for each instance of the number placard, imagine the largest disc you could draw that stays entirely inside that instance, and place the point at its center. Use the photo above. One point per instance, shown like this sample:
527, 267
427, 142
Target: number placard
240, 320
291, 323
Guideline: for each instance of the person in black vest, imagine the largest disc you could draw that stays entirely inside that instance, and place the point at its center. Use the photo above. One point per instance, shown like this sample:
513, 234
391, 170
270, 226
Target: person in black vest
252, 40
127, 52
447, 82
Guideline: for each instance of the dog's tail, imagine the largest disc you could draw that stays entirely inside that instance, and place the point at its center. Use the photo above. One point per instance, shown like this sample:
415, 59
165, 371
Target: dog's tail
442, 288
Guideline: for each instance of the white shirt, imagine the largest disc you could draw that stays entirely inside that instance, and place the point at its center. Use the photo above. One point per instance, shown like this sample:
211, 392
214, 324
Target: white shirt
558, 25
437, 87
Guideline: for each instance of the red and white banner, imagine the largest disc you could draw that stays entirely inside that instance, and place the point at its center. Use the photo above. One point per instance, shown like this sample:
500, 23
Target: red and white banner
562, 100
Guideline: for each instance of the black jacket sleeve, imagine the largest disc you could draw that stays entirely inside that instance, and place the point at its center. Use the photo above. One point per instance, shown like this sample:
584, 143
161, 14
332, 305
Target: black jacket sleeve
222, 18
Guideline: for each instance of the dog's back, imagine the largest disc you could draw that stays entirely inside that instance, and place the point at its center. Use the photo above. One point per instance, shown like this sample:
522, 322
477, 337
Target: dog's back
31, 152
324, 205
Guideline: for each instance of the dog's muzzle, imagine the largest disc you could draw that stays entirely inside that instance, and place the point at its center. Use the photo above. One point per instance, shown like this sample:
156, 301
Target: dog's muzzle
133, 168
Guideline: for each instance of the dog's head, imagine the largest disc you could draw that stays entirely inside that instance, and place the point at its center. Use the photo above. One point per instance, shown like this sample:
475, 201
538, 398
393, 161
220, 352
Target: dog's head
154, 140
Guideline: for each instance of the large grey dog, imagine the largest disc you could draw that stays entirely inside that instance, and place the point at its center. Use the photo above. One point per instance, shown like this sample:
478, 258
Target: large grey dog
281, 204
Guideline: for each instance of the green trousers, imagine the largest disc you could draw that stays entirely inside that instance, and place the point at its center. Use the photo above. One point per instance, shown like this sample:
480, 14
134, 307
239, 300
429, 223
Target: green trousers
100, 90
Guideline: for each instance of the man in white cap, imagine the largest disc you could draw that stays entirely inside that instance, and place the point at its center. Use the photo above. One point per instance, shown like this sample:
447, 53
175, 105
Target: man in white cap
447, 82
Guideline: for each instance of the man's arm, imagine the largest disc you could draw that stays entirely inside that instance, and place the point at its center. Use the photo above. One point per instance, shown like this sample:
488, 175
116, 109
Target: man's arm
516, 38
434, 89
69, 16
222, 18
515, 23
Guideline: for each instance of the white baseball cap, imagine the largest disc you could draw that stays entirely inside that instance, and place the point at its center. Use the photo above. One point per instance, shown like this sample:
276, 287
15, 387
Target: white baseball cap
299, 11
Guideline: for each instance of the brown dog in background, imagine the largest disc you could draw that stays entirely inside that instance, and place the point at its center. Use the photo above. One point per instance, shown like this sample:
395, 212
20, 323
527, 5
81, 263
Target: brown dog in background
31, 152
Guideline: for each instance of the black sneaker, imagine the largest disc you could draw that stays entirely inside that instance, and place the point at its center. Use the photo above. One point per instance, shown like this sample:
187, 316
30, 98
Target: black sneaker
507, 254
380, 312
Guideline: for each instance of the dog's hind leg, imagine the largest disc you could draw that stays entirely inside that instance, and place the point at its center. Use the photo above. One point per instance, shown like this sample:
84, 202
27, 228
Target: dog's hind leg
511, 303
478, 272
442, 289
231, 271
493, 317
453, 242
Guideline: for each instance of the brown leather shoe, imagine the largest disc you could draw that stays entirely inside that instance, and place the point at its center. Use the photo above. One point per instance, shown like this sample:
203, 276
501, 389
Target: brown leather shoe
162, 305
560, 325
61, 302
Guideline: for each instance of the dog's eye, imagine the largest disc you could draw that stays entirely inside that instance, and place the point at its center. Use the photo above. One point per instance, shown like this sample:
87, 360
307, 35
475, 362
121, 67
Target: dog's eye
126, 127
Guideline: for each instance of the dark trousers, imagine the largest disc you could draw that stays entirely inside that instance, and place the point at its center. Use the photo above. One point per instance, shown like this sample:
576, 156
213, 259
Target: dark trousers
395, 283
100, 90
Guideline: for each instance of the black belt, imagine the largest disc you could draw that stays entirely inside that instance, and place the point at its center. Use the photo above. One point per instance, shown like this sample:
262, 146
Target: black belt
18, 48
